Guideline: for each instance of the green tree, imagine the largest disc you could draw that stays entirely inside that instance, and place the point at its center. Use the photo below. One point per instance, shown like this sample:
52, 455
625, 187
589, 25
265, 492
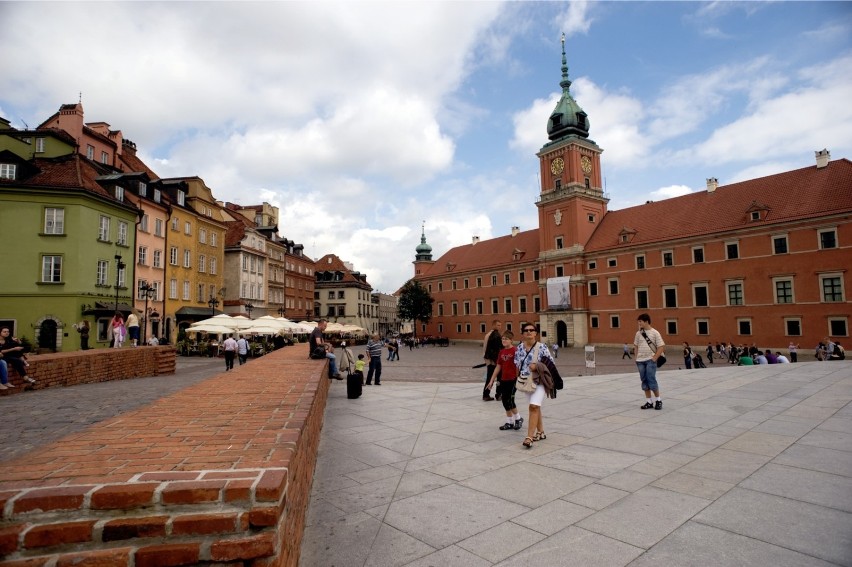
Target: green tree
415, 303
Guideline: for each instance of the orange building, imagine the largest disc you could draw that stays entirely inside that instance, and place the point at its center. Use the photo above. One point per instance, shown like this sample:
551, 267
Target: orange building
764, 261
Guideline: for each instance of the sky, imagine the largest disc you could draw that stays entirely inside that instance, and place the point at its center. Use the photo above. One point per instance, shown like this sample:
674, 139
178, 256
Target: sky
365, 121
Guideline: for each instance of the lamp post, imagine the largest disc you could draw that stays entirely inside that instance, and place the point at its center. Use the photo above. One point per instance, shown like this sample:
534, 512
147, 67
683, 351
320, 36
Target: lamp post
149, 294
119, 265
281, 311
213, 303
249, 307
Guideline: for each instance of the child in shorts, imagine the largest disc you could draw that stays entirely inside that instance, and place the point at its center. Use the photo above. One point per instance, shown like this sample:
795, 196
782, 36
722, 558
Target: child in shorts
507, 373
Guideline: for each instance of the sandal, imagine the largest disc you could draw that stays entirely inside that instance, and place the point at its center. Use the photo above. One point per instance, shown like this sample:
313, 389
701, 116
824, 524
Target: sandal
528, 441
540, 436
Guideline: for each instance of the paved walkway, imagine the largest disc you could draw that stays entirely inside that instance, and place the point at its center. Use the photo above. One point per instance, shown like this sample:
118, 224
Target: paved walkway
743, 466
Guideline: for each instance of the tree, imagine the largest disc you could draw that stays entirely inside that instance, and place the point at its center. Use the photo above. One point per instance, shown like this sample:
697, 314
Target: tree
415, 303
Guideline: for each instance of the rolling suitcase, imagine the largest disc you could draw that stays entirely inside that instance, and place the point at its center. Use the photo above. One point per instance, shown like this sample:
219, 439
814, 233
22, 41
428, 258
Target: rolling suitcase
353, 385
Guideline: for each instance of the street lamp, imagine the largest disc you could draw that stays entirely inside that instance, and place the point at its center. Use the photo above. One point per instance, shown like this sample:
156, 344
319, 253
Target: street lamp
249, 307
213, 303
149, 294
119, 265
281, 311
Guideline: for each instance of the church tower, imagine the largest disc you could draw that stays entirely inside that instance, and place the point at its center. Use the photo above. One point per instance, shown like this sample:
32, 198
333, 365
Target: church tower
572, 202
423, 258
570, 207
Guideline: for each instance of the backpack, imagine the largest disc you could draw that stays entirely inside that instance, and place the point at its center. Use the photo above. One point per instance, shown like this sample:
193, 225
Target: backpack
839, 353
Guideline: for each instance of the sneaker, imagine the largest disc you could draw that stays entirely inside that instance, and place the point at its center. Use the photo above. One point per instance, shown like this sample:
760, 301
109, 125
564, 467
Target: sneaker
649, 405
487, 399
9, 385
518, 423
658, 405
4, 387
506, 427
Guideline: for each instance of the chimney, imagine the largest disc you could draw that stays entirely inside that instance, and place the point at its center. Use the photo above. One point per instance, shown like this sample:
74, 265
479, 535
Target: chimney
712, 184
515, 231
475, 240
822, 158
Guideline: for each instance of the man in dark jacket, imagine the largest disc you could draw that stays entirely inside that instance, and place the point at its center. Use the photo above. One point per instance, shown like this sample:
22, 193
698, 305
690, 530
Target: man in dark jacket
492, 344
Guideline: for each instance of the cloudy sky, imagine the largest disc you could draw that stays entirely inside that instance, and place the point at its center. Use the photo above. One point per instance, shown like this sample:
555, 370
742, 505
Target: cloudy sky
363, 120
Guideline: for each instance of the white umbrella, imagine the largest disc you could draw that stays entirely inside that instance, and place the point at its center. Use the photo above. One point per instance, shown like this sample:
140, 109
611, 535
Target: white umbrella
215, 329
262, 330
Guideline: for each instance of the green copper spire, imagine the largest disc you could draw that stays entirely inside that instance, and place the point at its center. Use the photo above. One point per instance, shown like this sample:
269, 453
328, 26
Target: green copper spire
424, 251
567, 119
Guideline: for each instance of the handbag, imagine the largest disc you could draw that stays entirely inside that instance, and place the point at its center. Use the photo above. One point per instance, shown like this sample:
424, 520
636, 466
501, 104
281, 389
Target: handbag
660, 359
525, 383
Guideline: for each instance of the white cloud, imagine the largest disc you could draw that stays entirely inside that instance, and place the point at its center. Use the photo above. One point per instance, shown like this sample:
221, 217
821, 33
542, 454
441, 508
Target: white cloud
576, 18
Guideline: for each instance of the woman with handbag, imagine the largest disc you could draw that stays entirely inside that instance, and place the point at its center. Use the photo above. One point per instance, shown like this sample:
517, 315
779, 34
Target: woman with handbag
649, 356
528, 355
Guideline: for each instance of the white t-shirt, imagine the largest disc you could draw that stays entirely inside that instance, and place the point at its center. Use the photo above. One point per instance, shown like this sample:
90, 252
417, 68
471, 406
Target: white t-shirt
643, 350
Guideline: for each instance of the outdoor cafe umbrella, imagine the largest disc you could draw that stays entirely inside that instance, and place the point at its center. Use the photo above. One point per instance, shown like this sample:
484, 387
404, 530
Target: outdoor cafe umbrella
214, 329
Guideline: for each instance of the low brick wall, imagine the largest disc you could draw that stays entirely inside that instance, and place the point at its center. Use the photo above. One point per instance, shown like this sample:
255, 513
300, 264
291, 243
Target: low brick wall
217, 473
96, 365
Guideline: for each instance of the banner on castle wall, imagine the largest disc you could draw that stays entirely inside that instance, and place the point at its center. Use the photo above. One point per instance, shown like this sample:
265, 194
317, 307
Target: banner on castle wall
558, 293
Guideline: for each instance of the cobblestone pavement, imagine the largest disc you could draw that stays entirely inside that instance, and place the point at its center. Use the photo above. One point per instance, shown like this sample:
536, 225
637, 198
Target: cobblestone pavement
38, 417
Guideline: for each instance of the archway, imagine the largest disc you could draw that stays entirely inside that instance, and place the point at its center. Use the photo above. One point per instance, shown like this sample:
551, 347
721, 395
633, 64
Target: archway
47, 335
561, 334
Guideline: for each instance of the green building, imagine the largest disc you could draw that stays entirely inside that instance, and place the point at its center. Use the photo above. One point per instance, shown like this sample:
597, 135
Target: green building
65, 230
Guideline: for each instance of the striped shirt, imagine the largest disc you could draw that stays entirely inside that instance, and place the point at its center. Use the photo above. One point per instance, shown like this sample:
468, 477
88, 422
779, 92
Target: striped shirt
374, 348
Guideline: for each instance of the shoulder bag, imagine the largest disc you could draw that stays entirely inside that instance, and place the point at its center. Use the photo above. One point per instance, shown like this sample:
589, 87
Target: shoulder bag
524, 382
660, 359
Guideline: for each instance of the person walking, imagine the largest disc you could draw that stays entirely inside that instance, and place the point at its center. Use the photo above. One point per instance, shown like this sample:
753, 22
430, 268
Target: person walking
710, 353
492, 344
242, 349
119, 331
507, 373
687, 355
133, 328
528, 355
649, 346
556, 349
625, 351
374, 352
230, 349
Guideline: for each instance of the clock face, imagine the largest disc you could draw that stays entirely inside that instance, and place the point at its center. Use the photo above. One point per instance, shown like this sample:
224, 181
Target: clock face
586, 164
557, 166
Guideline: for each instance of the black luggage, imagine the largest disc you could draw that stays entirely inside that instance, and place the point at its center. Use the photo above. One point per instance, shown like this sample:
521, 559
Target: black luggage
353, 385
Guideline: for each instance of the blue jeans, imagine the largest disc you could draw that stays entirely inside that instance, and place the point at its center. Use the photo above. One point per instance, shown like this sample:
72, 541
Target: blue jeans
648, 374
375, 366
4, 372
333, 363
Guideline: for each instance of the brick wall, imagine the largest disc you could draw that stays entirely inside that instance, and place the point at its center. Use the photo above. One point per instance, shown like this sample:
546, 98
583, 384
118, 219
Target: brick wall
96, 365
217, 473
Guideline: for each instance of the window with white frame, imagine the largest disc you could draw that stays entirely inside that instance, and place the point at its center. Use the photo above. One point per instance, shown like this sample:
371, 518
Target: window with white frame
200, 295
156, 286
140, 285
671, 326
593, 287
143, 224
213, 266
7, 170
187, 228
173, 289
783, 290
187, 259
495, 306
104, 157
245, 263
612, 262
735, 293
668, 258
594, 322
202, 235
827, 238
122, 233
173, 256
779, 244
700, 295
51, 269
793, 326
158, 227
39, 145
157, 195
175, 224
559, 243
119, 193
670, 296
54, 220
614, 321
613, 286
158, 258
640, 261
90, 152
142, 256
744, 326
732, 250
186, 290
122, 275
642, 298
832, 287
103, 229
838, 326
102, 273
202, 263
508, 304
181, 198
213, 239
143, 188
702, 326
698, 255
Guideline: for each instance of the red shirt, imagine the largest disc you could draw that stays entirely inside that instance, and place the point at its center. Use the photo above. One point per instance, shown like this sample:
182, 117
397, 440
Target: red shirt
506, 362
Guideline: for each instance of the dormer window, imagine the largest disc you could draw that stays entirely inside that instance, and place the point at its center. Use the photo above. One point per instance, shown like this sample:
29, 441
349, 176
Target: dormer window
181, 198
556, 120
119, 193
755, 215
39, 145
8, 170
156, 195
143, 189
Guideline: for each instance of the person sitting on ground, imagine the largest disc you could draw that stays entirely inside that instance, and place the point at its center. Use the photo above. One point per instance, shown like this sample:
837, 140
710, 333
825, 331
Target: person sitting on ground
759, 358
745, 360
770, 358
781, 358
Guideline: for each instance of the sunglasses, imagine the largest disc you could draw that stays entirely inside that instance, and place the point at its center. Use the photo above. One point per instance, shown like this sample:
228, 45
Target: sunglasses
529, 330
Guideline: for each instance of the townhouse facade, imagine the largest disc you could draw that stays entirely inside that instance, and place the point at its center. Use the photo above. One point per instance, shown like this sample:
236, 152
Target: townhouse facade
343, 295
761, 261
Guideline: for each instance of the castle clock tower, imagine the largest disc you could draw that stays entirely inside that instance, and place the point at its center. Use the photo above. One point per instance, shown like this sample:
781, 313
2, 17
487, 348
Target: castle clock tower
570, 207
